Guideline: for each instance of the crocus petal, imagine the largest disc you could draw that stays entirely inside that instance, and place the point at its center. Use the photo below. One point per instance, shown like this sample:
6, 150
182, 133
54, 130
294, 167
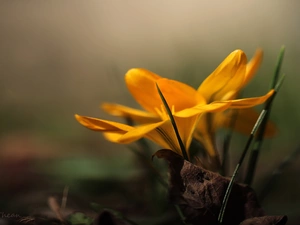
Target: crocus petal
199, 109
249, 102
161, 133
102, 125
139, 132
112, 136
179, 95
252, 66
244, 120
229, 76
164, 135
186, 128
142, 85
135, 115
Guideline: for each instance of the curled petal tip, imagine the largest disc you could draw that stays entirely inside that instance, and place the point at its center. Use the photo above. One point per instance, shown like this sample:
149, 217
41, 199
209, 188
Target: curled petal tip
132, 70
238, 51
239, 55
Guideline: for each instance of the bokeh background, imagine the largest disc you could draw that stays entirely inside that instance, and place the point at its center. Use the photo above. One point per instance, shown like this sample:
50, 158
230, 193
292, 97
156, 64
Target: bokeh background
58, 58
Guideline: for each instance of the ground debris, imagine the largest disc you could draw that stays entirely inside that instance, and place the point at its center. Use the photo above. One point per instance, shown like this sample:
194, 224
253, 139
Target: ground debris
199, 194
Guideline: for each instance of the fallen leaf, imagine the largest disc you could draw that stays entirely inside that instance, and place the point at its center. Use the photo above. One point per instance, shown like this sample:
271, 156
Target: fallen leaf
265, 220
199, 193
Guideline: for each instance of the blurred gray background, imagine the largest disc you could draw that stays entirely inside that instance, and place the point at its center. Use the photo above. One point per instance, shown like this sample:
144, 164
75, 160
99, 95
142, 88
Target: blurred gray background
58, 58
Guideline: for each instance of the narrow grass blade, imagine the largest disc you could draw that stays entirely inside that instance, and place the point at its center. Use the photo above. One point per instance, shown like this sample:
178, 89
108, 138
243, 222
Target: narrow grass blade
230, 185
278, 67
260, 136
183, 150
259, 139
250, 139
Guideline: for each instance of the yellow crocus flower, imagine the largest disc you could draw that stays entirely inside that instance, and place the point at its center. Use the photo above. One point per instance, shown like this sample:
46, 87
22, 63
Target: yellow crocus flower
186, 103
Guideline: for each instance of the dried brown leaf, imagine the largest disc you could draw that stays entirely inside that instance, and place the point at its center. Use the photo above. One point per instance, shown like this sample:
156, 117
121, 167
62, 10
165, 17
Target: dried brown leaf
200, 193
265, 220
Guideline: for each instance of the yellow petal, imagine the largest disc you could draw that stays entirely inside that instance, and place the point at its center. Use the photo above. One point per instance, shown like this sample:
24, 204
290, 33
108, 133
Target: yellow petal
186, 128
249, 102
229, 76
165, 136
252, 66
244, 121
113, 137
142, 85
135, 115
139, 132
102, 125
199, 109
179, 95
162, 133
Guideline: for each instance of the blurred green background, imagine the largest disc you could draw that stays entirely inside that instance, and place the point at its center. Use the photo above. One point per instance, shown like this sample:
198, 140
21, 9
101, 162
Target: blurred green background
58, 58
